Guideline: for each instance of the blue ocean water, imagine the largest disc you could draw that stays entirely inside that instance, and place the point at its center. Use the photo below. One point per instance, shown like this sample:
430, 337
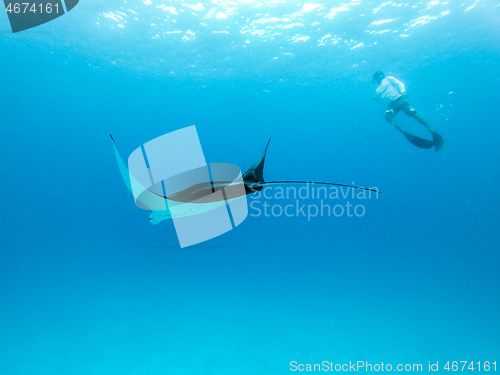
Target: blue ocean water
89, 286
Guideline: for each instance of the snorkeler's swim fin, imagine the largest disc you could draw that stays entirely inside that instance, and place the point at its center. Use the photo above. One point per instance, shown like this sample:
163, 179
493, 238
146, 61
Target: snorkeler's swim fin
438, 141
419, 142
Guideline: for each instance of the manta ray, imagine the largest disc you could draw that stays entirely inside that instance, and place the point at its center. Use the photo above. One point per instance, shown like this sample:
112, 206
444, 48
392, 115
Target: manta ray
202, 197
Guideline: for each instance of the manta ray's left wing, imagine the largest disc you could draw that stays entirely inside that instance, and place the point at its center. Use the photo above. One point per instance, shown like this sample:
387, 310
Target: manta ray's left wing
122, 167
147, 200
150, 199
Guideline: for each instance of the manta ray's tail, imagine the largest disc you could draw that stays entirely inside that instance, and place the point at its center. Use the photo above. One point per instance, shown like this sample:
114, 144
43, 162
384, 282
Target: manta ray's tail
255, 175
256, 172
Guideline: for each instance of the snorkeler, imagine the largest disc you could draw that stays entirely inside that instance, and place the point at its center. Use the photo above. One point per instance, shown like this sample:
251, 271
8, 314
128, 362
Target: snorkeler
391, 92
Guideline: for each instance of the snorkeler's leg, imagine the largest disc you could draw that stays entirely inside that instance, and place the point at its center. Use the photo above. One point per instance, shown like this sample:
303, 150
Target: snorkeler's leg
410, 111
389, 116
436, 137
423, 121
417, 141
